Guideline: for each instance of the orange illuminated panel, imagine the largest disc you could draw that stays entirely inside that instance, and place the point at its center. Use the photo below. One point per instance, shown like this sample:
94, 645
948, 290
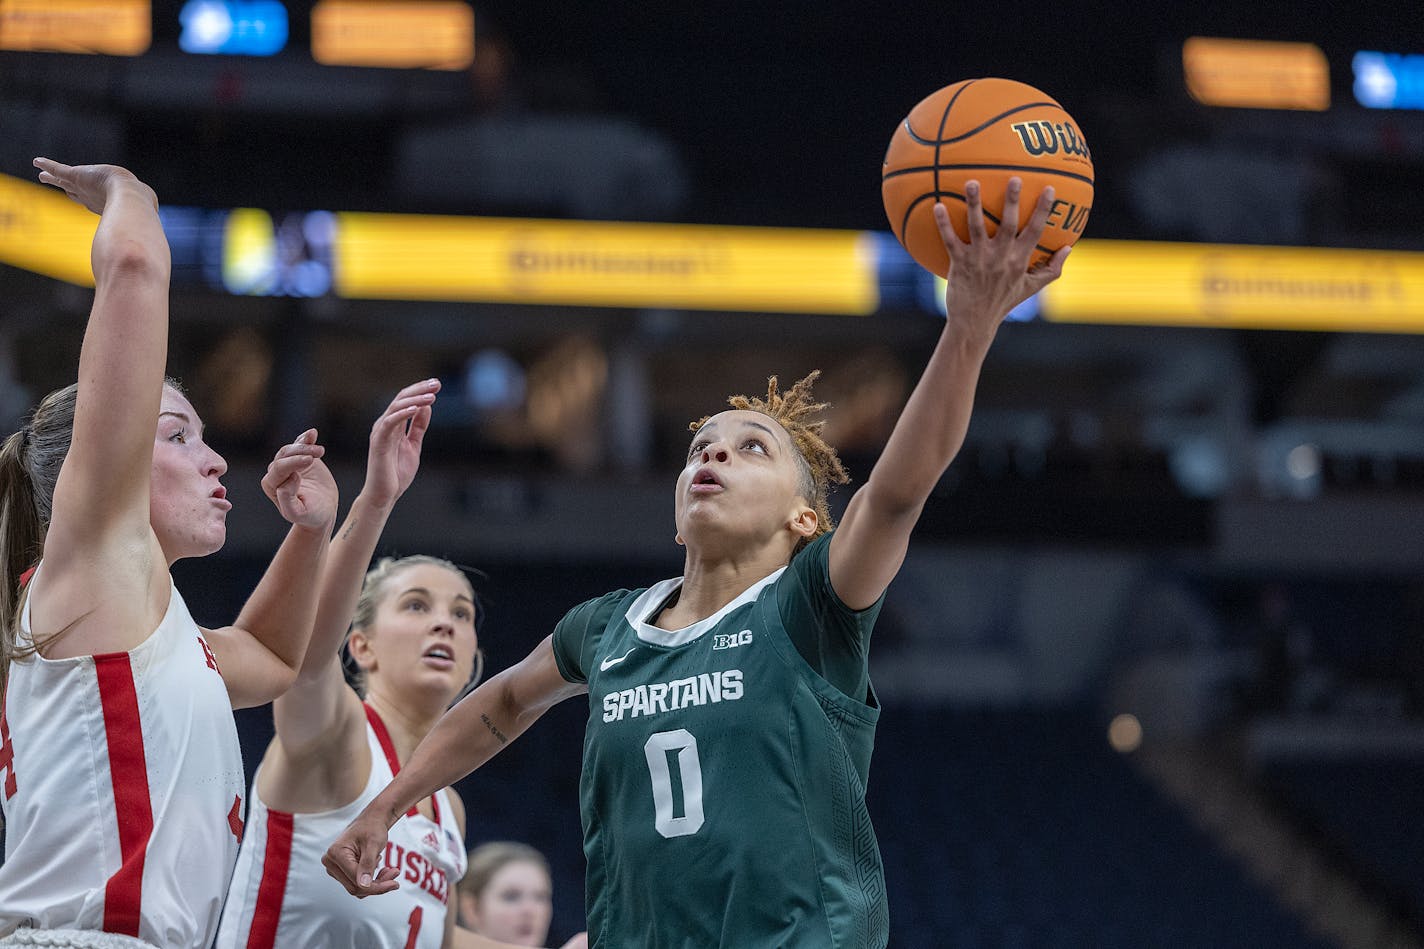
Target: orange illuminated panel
1254, 74
111, 27
419, 34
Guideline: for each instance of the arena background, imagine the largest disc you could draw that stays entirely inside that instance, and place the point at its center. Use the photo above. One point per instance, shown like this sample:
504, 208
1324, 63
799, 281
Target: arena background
1152, 672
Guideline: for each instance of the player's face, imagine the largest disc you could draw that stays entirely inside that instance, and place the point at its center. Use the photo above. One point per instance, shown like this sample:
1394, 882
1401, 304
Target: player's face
187, 502
423, 639
741, 480
516, 905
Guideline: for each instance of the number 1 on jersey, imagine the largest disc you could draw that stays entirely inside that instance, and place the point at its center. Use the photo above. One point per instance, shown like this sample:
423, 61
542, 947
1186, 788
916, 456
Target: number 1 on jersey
677, 812
414, 933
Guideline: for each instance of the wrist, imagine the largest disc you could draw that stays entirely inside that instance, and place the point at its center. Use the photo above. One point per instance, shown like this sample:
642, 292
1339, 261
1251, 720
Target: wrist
370, 502
320, 529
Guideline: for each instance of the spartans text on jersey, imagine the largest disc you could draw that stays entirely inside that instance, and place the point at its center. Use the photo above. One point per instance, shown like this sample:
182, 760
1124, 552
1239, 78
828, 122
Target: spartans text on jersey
705, 689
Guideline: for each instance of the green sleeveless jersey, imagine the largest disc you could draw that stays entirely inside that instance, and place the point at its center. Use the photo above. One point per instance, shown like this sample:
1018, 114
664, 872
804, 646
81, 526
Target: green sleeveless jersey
723, 786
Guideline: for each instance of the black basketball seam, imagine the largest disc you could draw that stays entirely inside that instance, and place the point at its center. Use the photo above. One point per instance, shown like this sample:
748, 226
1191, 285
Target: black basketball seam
922, 168
959, 138
904, 224
943, 119
1045, 171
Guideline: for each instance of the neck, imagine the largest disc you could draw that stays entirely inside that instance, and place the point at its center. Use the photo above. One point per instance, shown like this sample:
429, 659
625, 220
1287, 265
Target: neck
710, 583
407, 723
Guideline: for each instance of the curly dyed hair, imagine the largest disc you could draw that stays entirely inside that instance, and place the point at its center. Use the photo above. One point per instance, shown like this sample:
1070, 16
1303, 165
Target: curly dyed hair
796, 410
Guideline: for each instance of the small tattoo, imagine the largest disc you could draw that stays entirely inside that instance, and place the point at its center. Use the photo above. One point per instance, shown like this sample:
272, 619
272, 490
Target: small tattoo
494, 729
349, 528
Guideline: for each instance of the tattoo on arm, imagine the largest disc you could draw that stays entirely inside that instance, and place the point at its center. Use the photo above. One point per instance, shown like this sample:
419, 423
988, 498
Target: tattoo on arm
494, 729
351, 526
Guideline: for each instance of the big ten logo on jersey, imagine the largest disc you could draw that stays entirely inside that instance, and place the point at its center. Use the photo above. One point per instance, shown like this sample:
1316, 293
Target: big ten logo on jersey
418, 869
731, 640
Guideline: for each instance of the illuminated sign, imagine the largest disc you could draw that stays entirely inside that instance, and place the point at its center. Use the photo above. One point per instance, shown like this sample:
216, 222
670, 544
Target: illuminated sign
1296, 288
1254, 74
111, 27
1389, 80
43, 231
429, 34
233, 27
422, 257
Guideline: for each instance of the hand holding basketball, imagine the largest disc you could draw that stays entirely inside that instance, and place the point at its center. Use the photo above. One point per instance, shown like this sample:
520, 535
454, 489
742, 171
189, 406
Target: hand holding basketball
991, 274
989, 131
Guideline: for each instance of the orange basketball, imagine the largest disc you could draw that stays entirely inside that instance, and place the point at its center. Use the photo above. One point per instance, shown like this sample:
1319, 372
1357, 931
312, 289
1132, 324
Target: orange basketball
988, 130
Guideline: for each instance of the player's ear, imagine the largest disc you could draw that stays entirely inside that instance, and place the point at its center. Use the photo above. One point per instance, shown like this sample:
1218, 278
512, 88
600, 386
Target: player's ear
358, 644
804, 522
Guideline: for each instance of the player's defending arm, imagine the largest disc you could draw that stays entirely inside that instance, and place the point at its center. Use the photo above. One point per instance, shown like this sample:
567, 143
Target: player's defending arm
467, 736
259, 654
98, 547
320, 706
988, 277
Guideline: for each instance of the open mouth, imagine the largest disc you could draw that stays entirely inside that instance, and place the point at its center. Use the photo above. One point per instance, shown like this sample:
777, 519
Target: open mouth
219, 496
705, 480
441, 657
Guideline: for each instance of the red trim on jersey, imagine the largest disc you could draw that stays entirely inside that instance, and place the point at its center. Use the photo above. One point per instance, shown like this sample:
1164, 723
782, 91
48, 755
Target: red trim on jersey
273, 888
383, 737
133, 808
26, 575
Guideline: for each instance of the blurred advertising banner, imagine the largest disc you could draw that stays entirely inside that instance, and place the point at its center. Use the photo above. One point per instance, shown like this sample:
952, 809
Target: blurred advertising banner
587, 263
1289, 288
43, 231
110, 27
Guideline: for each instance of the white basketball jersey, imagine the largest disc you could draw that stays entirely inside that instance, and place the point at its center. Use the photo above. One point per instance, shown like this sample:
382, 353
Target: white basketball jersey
282, 897
122, 789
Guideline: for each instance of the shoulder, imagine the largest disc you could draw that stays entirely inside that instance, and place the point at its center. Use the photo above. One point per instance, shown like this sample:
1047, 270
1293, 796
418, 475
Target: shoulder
577, 636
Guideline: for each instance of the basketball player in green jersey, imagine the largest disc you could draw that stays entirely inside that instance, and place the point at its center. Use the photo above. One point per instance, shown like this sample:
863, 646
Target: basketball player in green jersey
731, 717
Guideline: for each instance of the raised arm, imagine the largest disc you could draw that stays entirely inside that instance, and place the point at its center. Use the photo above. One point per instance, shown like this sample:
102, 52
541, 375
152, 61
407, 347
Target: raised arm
259, 654
104, 483
320, 707
468, 735
987, 278
101, 555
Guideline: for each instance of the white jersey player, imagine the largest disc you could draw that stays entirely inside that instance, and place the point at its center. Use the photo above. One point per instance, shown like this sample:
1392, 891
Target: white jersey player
411, 626
280, 897
120, 774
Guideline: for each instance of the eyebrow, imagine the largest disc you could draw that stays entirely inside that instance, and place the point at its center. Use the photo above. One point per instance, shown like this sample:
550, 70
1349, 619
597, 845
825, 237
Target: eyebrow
712, 425
423, 590
182, 417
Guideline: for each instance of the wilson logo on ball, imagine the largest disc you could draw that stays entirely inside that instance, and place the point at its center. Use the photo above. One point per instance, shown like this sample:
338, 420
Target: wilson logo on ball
1046, 138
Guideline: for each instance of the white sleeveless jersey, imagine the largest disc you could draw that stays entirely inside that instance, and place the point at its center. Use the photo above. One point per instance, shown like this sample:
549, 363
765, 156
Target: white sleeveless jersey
282, 897
122, 789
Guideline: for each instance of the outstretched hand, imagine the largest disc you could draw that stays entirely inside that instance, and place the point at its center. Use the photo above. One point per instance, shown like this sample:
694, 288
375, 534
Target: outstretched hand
89, 185
299, 484
989, 276
396, 439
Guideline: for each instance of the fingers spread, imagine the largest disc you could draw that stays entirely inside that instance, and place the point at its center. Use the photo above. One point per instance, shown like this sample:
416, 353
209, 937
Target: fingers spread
1009, 218
946, 229
1033, 230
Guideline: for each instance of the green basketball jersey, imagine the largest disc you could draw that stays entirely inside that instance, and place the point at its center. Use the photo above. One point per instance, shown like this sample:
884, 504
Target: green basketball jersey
723, 787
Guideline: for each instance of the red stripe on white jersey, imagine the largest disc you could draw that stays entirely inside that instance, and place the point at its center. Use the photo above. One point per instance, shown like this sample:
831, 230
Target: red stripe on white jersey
133, 807
275, 863
389, 747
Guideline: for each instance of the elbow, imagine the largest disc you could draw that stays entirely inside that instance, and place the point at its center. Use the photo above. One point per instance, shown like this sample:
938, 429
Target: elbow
131, 261
284, 676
